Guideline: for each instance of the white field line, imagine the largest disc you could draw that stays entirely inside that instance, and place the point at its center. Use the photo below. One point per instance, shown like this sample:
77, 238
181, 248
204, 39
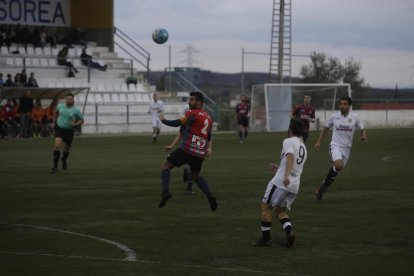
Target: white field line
131, 256
389, 158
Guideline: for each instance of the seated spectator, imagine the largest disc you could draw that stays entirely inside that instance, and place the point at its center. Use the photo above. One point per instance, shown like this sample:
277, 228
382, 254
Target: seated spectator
17, 80
32, 82
9, 81
87, 61
62, 59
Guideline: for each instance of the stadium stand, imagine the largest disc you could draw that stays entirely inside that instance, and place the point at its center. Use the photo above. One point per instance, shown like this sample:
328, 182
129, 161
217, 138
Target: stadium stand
103, 95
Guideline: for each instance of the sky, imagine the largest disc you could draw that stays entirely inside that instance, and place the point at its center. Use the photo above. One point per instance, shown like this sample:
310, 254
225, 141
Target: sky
377, 33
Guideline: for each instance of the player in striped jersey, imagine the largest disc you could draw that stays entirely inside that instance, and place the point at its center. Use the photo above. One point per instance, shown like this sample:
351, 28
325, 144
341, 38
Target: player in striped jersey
343, 124
195, 146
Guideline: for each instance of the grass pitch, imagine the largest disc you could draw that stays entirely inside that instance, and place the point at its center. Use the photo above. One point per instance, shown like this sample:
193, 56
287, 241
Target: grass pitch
100, 217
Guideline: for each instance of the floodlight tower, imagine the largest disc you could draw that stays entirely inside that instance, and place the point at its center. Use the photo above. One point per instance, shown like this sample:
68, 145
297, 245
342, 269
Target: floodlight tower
280, 46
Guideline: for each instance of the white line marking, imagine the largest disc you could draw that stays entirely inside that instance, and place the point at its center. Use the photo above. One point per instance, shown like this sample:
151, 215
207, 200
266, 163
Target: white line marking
389, 158
130, 254
151, 262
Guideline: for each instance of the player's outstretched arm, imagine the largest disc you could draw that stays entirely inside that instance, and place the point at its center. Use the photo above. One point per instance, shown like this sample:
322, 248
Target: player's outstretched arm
321, 136
174, 142
364, 137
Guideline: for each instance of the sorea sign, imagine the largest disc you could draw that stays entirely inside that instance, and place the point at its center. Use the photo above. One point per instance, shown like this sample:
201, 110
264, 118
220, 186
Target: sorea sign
35, 12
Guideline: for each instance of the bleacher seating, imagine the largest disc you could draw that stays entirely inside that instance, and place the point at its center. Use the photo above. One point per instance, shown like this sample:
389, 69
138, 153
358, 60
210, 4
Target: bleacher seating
106, 92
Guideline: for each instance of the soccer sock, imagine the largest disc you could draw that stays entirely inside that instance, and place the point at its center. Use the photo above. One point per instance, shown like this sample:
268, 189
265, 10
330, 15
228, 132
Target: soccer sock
266, 227
287, 226
165, 180
202, 184
56, 156
189, 185
65, 155
330, 177
245, 134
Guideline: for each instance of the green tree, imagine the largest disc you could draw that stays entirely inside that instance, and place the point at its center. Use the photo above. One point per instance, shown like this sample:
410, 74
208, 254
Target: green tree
326, 69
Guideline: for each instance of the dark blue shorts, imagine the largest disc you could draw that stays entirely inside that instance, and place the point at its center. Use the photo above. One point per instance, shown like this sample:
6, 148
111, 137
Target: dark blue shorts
179, 157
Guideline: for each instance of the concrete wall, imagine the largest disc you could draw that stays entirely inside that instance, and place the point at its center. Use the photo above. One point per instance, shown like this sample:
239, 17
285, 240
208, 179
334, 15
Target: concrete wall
376, 118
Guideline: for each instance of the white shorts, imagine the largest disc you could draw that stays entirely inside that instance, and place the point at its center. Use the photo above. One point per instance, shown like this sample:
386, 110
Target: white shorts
156, 122
276, 196
339, 153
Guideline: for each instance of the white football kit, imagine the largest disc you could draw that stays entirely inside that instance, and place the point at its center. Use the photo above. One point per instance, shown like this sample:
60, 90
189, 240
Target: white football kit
343, 128
276, 192
155, 109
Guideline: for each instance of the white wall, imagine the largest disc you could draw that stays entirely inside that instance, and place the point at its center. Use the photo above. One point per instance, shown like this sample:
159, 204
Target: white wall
376, 118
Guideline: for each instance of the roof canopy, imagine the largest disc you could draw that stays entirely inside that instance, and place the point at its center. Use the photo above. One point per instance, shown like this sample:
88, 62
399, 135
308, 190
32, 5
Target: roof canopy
39, 93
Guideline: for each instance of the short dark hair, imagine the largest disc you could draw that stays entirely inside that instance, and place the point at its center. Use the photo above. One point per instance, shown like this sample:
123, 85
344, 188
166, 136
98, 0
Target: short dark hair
296, 127
346, 98
70, 94
198, 96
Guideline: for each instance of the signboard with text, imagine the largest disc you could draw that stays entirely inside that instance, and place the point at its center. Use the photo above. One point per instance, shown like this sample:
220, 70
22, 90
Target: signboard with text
35, 12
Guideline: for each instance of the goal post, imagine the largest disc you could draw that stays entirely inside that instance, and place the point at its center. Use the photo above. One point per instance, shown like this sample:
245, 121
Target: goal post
272, 103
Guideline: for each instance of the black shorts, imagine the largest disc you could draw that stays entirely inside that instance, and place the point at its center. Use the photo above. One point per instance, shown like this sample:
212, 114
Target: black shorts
179, 157
65, 134
243, 121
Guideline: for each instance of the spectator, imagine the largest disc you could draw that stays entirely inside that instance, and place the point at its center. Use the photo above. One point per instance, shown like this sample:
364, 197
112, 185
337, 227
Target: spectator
17, 80
25, 110
49, 114
23, 77
10, 118
62, 59
9, 82
1, 80
87, 61
38, 128
3, 124
3, 35
32, 82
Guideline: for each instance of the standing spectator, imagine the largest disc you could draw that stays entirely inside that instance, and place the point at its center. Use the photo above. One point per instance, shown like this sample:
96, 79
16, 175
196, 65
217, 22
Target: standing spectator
32, 82
1, 80
3, 123
62, 57
9, 81
49, 115
23, 77
67, 117
343, 124
156, 107
25, 110
283, 189
242, 113
38, 129
196, 145
87, 61
3, 35
306, 113
10, 120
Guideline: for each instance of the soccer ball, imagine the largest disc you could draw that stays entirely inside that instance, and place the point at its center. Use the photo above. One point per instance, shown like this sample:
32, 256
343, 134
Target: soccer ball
160, 35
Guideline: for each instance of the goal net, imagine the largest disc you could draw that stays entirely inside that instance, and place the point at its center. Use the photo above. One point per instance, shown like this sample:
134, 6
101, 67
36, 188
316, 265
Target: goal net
272, 104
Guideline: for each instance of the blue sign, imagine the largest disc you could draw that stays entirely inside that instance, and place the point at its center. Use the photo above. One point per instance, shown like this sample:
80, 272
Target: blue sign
35, 12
